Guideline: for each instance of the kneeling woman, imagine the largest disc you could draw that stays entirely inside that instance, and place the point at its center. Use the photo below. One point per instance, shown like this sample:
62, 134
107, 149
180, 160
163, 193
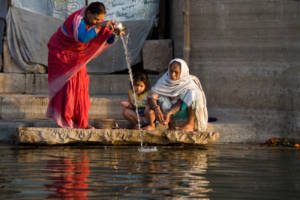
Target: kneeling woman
177, 93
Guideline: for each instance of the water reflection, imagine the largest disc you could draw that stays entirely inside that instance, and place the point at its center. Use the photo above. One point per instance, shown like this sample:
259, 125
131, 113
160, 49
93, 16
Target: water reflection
93, 173
220, 172
68, 177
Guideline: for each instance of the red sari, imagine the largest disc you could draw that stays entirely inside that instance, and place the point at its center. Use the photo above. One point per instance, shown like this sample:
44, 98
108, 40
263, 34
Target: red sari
68, 81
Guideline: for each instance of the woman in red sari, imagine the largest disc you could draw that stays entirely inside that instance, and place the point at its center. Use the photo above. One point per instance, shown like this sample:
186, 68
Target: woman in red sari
82, 37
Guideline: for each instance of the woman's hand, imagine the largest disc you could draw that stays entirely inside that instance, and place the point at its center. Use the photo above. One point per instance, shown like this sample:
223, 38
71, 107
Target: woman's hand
110, 25
167, 118
159, 115
122, 33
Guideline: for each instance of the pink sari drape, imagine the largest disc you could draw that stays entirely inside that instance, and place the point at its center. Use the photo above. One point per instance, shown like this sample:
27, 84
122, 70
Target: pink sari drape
68, 80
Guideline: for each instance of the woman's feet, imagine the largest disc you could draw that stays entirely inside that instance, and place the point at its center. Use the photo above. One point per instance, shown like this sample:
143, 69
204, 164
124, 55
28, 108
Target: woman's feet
188, 127
149, 127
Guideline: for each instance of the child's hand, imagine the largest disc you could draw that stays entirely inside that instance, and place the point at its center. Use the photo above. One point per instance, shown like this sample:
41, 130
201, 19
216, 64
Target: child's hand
125, 104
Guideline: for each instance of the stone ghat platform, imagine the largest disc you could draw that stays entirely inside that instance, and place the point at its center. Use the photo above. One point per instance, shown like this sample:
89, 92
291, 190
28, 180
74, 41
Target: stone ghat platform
64, 136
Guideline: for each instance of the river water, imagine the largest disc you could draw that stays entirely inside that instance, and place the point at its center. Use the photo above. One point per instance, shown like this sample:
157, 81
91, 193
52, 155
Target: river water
95, 172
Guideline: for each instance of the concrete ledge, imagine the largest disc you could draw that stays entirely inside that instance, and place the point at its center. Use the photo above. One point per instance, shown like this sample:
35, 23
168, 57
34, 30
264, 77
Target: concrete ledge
9, 128
34, 107
253, 126
60, 136
12, 83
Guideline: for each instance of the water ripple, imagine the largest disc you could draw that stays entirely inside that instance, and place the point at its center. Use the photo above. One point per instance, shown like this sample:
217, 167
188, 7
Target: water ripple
217, 172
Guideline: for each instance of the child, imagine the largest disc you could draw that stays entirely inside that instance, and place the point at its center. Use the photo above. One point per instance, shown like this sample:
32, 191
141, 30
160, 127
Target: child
177, 94
141, 86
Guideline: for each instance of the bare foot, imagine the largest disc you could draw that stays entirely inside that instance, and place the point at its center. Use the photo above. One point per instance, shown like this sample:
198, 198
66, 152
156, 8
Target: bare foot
188, 128
149, 128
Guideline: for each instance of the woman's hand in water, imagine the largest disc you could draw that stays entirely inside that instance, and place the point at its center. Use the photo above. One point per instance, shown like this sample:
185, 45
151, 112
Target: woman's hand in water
159, 115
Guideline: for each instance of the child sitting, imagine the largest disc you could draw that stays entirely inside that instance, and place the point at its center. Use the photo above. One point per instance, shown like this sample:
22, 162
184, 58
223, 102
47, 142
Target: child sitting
140, 86
177, 94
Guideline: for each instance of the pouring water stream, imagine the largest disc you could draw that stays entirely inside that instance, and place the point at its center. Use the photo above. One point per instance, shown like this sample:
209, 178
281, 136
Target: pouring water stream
125, 45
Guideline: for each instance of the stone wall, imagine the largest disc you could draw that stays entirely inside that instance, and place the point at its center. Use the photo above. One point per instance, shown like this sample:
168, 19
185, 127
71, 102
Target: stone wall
246, 53
176, 26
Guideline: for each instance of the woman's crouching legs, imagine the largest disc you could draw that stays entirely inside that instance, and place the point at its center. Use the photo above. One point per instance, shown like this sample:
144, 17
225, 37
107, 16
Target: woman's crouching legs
190, 124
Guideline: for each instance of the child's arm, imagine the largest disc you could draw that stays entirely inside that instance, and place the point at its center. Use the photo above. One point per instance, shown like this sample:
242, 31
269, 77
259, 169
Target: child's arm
127, 104
130, 102
152, 102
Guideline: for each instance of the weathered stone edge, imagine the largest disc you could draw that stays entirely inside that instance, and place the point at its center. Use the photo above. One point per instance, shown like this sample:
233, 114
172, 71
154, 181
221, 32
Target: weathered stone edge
62, 136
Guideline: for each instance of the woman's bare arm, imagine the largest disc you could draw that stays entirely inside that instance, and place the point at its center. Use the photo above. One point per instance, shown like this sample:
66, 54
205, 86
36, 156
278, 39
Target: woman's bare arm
174, 109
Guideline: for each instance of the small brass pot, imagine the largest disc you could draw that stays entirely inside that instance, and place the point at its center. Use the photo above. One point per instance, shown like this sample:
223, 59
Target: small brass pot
106, 123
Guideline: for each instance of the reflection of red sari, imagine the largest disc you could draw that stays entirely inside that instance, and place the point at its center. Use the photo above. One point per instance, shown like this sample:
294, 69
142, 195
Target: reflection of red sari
69, 179
67, 74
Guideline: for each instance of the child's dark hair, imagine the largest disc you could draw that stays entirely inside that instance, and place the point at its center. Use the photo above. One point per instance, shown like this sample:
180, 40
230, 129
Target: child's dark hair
142, 77
96, 8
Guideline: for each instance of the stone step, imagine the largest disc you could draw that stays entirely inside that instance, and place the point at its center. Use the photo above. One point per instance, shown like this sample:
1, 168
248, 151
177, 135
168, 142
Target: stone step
233, 125
35, 106
246, 87
8, 128
14, 83
249, 125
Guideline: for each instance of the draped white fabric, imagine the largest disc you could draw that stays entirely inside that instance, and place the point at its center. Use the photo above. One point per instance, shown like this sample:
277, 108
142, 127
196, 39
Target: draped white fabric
188, 88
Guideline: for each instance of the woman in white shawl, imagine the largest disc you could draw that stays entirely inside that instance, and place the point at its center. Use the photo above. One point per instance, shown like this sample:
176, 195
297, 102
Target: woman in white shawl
173, 90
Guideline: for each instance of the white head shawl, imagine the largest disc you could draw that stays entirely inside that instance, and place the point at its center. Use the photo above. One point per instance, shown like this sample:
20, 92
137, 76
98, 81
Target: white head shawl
188, 88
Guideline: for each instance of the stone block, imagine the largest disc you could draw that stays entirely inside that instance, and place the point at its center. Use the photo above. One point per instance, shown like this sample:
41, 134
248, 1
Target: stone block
106, 107
255, 87
112, 84
9, 65
34, 107
23, 107
157, 54
12, 83
109, 84
99, 84
249, 125
54, 136
246, 53
36, 84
